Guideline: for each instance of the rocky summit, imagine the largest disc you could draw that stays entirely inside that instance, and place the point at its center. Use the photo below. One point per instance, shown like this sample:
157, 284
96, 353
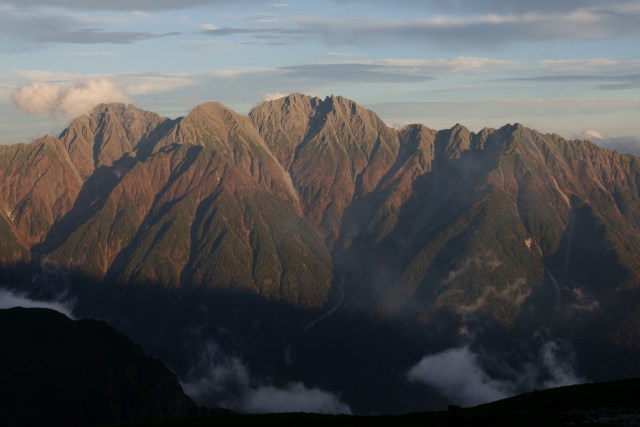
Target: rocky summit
309, 237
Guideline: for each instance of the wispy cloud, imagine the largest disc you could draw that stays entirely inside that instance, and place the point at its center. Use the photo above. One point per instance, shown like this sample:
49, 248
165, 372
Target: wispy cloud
147, 83
486, 29
455, 64
10, 299
450, 88
87, 54
586, 64
459, 375
219, 380
263, 17
392, 70
502, 6
342, 54
213, 30
237, 72
353, 72
32, 28
607, 81
140, 5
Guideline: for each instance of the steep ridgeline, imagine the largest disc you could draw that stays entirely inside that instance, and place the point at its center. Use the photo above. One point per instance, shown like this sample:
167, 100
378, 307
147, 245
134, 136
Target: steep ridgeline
42, 181
335, 150
418, 222
200, 203
429, 220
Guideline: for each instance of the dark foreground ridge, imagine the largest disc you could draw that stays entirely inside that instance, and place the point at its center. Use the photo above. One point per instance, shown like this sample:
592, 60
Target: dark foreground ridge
609, 403
56, 371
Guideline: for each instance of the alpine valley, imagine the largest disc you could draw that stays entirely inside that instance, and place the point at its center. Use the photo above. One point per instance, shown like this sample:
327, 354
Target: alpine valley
310, 249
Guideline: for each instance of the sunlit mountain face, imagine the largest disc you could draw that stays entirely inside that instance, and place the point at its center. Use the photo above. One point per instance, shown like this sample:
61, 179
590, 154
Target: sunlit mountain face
308, 257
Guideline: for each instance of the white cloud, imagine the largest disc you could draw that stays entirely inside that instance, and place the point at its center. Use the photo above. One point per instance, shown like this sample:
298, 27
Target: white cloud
132, 84
69, 101
590, 134
272, 96
144, 84
265, 17
451, 88
558, 367
459, 376
87, 54
237, 72
295, 397
219, 380
343, 54
209, 27
10, 299
410, 68
119, 4
577, 64
140, 13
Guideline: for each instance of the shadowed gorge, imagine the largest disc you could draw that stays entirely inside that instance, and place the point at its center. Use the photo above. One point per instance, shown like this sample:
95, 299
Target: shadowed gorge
310, 245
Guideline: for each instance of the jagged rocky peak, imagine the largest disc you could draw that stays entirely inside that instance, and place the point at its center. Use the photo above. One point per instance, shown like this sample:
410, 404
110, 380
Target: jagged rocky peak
418, 141
417, 135
213, 124
335, 150
451, 143
284, 123
109, 132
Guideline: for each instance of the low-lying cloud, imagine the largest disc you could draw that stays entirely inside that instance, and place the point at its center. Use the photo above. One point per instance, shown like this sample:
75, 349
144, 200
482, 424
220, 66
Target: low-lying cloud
67, 100
220, 380
10, 299
458, 374
294, 397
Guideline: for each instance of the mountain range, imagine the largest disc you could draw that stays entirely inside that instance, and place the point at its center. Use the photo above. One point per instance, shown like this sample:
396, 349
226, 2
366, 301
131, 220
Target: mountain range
318, 244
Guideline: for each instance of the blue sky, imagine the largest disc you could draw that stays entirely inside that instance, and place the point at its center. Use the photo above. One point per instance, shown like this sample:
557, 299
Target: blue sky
565, 66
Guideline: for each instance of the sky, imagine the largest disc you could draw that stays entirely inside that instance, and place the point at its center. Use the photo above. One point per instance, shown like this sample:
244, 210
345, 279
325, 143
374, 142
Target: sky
570, 67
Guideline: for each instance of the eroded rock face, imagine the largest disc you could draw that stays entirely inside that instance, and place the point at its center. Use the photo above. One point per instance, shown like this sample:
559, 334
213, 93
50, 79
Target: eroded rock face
110, 132
335, 150
39, 185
